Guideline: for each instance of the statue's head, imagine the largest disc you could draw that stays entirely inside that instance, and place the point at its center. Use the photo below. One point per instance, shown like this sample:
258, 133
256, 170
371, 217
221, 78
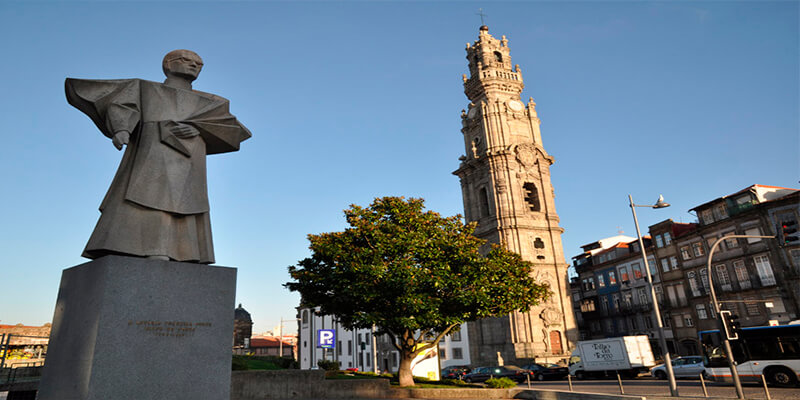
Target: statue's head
183, 63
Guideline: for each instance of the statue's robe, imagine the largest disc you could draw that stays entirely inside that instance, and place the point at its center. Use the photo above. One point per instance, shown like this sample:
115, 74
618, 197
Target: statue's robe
157, 204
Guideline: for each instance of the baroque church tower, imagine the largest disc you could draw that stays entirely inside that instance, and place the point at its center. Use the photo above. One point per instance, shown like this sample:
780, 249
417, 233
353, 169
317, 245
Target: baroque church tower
505, 182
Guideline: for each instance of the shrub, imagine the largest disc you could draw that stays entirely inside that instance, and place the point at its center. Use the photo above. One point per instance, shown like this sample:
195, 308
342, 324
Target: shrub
500, 383
328, 365
239, 363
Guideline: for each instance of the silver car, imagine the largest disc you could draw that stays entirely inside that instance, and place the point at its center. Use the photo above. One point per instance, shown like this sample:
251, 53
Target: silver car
683, 367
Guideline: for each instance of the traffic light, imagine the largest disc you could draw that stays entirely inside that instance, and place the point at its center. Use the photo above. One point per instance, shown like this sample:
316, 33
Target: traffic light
730, 324
789, 231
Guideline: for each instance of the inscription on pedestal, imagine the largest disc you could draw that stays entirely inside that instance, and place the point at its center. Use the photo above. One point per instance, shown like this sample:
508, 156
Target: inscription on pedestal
170, 328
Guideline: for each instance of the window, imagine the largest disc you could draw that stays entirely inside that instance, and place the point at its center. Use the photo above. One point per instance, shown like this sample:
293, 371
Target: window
443, 354
601, 282
637, 270
349, 347
711, 310
612, 278
723, 278
394, 359
615, 299
633, 323
704, 279
752, 307
648, 323
764, 270
741, 274
339, 348
707, 216
627, 299
587, 306
697, 249
604, 303
368, 359
667, 239
678, 321
685, 253
455, 336
665, 265
366, 337
635, 247
681, 294
659, 293
538, 243
753, 231
623, 273
305, 317
673, 263
588, 284
720, 212
457, 353
667, 321
689, 321
531, 196
359, 339
692, 277
498, 57
659, 241
642, 293
483, 196
671, 294
701, 311
731, 243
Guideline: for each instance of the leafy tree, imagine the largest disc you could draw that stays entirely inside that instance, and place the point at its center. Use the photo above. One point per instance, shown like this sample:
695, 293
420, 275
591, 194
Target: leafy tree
411, 273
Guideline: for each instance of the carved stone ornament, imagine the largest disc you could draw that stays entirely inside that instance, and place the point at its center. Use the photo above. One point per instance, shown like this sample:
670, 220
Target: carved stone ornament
550, 316
526, 155
501, 185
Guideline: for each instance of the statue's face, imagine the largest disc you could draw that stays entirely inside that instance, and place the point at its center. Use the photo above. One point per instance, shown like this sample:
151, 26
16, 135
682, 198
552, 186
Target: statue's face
183, 63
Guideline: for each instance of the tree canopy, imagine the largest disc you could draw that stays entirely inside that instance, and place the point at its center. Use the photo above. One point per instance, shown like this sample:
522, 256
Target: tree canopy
410, 272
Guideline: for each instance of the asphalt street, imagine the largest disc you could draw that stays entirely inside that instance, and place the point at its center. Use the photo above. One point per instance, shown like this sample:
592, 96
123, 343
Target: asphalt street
657, 388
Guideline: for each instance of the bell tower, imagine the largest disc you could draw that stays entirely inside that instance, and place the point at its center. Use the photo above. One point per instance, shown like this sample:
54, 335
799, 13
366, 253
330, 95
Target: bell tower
505, 183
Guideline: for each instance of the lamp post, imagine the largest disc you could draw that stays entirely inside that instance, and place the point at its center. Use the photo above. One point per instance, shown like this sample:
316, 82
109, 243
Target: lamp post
673, 387
726, 344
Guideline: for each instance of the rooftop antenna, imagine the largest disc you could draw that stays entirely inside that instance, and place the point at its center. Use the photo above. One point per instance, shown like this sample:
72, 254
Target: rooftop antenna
480, 12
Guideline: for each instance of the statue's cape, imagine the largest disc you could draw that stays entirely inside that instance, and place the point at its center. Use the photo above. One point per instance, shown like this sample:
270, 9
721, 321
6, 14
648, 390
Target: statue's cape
117, 104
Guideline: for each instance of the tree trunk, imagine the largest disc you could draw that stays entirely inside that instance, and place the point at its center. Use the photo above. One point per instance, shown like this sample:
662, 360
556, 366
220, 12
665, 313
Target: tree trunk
404, 371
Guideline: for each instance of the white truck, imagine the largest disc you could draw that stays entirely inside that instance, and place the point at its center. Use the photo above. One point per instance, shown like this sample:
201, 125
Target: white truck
627, 355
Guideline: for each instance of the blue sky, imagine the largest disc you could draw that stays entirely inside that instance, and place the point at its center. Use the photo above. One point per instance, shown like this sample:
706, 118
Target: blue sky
352, 100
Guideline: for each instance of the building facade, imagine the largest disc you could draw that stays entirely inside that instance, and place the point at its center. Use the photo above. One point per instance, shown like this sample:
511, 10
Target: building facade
757, 279
363, 349
506, 188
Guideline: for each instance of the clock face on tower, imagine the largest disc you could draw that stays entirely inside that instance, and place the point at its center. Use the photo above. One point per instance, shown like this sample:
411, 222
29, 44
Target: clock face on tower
515, 105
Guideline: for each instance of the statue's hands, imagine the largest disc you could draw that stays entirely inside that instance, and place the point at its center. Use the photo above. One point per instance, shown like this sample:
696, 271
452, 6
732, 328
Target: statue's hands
183, 130
120, 139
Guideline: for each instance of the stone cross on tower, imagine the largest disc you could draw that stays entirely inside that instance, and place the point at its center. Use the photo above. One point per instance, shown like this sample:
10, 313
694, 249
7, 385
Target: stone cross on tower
505, 182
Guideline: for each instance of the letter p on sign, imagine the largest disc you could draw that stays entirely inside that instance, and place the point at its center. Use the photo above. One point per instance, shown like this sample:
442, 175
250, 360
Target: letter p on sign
326, 338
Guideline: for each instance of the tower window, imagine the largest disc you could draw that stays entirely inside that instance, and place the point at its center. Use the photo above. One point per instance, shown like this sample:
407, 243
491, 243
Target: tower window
538, 243
531, 196
484, 205
498, 57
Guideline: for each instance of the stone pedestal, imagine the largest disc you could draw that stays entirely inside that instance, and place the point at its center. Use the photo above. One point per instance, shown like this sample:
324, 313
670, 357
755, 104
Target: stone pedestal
134, 328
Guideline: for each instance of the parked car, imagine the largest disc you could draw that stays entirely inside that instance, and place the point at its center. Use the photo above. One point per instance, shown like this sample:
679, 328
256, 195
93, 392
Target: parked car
481, 374
547, 371
682, 367
455, 372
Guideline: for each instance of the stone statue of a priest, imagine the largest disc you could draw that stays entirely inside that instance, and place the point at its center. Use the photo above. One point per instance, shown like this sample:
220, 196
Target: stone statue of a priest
157, 205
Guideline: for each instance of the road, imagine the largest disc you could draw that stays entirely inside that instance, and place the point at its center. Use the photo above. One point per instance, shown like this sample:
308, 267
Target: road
652, 387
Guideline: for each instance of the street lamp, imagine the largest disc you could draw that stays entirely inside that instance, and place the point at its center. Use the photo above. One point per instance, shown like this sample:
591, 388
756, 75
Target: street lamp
673, 387
726, 344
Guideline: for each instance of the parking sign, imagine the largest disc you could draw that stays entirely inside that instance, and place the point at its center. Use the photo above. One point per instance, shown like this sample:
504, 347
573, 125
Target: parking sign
326, 338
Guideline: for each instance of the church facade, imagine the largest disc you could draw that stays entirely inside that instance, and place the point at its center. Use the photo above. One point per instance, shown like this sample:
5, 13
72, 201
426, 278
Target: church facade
506, 188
